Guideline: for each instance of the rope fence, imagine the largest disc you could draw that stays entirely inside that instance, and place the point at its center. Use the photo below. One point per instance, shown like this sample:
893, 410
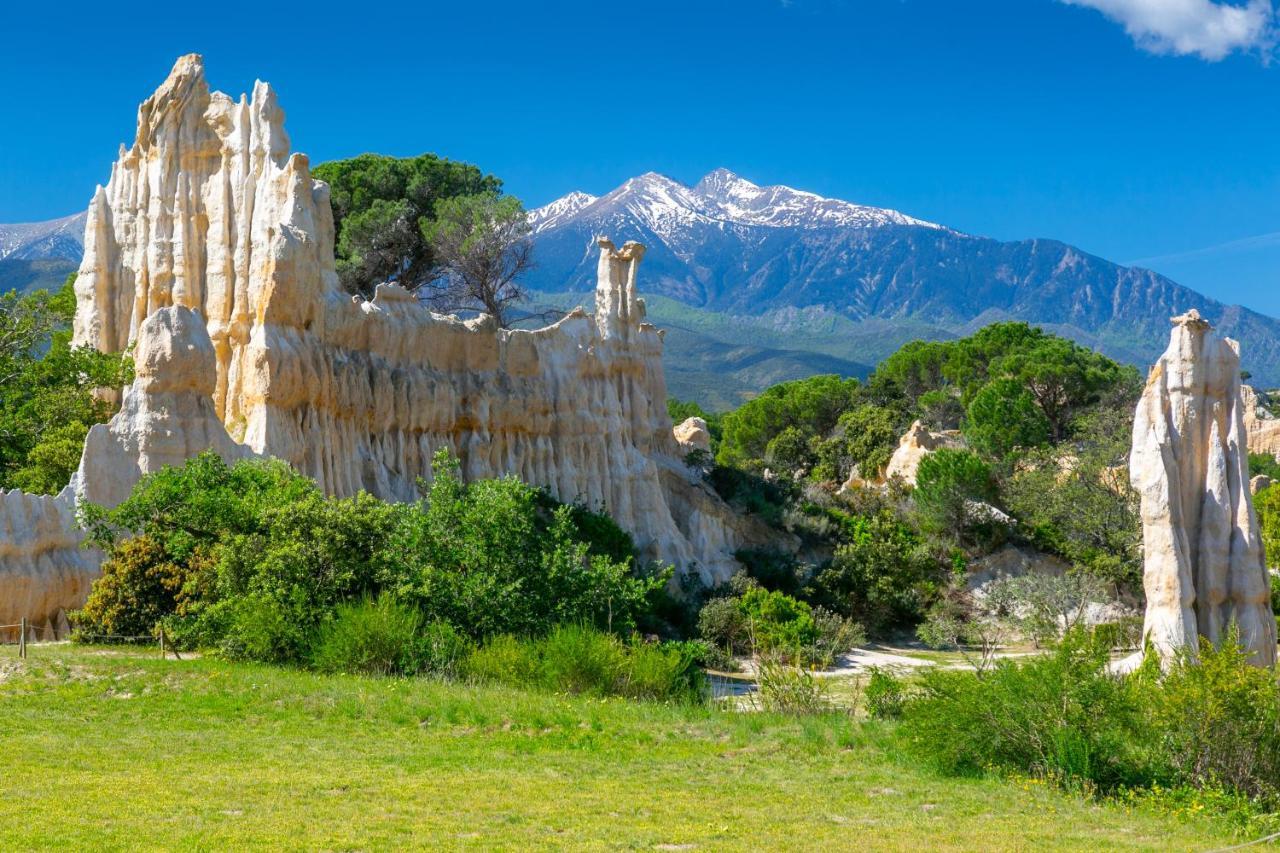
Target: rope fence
26, 633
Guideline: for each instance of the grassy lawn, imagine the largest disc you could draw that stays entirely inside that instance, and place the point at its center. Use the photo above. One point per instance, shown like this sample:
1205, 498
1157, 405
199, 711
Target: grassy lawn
108, 749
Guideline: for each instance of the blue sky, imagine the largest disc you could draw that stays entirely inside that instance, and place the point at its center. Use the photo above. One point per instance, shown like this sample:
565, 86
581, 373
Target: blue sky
1140, 130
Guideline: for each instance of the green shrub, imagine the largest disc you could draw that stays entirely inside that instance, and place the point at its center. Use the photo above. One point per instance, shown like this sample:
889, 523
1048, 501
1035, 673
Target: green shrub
881, 575
778, 622
722, 622
865, 436
503, 660
581, 659
835, 636
370, 636
486, 558
785, 689
140, 585
1218, 722
885, 695
1060, 715
441, 650
576, 659
253, 559
662, 671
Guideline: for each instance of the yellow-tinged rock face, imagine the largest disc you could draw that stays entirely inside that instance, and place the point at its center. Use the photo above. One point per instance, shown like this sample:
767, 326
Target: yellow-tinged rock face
211, 249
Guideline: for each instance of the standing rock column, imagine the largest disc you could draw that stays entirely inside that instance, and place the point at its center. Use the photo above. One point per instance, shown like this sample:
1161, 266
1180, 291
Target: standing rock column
1203, 567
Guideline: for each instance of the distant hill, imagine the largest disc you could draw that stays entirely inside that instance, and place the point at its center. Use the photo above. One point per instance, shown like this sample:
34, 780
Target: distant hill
40, 254
863, 279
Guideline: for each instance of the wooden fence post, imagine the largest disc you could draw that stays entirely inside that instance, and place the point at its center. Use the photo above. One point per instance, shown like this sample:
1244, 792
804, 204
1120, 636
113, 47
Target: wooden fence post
162, 642
22, 638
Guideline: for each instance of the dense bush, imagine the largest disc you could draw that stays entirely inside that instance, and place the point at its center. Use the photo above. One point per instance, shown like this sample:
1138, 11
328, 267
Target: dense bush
274, 558
769, 623
864, 437
1218, 723
778, 622
885, 695
948, 485
369, 636
140, 585
1209, 723
1060, 715
881, 574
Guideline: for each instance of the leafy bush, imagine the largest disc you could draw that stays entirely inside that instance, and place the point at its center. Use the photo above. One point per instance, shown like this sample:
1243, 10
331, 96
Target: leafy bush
369, 636
483, 558
835, 636
1209, 723
778, 622
252, 559
441, 650
885, 695
1218, 722
580, 660
865, 437
140, 586
881, 576
503, 659
722, 622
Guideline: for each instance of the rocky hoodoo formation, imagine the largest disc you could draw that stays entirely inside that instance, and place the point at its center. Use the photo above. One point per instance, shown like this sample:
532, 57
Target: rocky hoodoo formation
1202, 550
692, 434
1261, 427
211, 249
917, 443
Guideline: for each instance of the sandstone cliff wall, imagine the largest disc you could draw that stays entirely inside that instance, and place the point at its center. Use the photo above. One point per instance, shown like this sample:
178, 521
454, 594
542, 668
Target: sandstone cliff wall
210, 212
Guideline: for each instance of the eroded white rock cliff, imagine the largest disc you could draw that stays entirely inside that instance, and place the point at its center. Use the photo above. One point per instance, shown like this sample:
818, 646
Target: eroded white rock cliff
211, 250
1203, 561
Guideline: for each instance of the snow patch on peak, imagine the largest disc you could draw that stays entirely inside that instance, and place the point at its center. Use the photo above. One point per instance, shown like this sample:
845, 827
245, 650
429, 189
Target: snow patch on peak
560, 210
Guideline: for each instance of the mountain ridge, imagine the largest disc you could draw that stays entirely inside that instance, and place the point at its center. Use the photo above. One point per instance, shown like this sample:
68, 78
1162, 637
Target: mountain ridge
728, 245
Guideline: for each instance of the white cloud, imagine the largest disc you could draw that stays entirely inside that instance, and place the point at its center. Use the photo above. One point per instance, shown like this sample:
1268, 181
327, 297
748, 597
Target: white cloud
1205, 28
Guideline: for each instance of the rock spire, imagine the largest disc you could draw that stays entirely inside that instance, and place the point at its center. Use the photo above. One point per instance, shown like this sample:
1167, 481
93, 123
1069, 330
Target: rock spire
1203, 567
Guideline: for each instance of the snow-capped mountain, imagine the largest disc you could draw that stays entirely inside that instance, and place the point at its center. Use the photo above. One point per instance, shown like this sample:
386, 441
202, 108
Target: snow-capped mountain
741, 250
31, 241
40, 254
721, 199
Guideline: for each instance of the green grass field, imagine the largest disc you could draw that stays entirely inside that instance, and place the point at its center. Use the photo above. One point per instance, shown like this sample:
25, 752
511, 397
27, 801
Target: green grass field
111, 749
